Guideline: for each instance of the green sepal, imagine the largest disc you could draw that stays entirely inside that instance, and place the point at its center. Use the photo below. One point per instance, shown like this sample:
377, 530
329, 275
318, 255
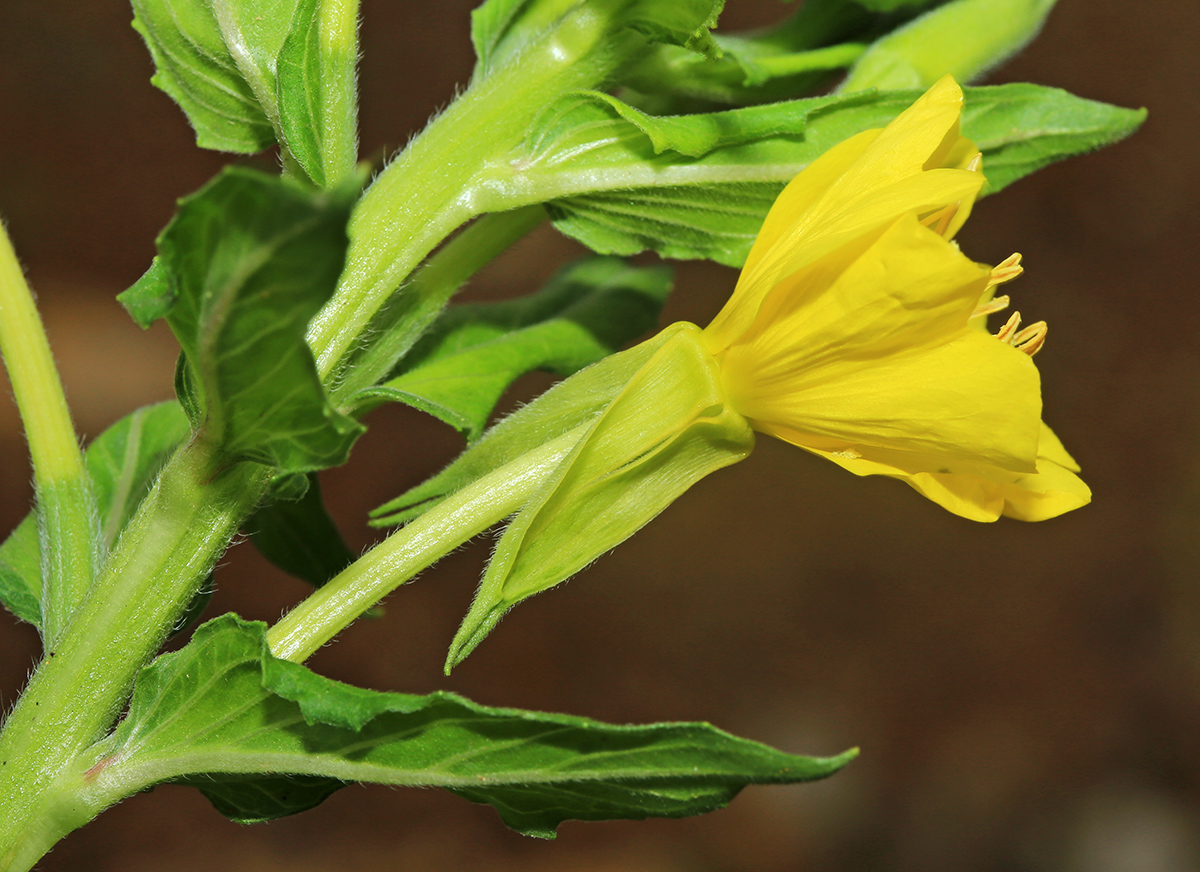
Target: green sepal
263, 738
298, 535
569, 405
317, 91
122, 463
964, 38
473, 353
668, 427
252, 258
218, 65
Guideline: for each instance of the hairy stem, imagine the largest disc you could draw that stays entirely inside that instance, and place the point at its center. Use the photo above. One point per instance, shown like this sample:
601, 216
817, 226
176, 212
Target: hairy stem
459, 517
66, 506
163, 556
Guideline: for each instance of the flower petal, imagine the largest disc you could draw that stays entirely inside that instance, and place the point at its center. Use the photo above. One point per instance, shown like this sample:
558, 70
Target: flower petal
899, 289
976, 491
974, 399
858, 185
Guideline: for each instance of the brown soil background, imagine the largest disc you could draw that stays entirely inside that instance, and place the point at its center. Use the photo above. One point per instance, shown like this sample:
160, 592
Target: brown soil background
1027, 697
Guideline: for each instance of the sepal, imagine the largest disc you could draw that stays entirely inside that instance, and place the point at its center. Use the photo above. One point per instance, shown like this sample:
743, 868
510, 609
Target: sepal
667, 427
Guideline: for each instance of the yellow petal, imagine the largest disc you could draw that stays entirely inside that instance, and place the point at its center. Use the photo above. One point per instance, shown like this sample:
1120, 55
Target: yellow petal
974, 399
899, 290
975, 491
857, 186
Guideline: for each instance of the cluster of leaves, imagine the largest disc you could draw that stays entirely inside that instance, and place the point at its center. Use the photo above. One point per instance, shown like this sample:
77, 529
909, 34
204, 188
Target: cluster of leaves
661, 136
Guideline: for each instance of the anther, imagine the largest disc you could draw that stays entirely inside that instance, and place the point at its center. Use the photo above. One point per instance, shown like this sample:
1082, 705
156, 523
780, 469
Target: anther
1006, 333
992, 306
1006, 270
1031, 339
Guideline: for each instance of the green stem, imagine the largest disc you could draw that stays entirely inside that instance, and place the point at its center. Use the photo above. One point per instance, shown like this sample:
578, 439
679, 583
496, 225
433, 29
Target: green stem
428, 191
163, 556
400, 323
67, 517
829, 58
459, 517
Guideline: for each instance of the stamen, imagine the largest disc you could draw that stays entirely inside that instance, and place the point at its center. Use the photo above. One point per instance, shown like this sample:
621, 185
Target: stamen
1007, 270
1031, 339
938, 221
974, 163
1006, 333
992, 306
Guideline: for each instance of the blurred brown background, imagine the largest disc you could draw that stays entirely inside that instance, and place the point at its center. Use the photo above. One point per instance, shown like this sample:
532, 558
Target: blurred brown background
1027, 697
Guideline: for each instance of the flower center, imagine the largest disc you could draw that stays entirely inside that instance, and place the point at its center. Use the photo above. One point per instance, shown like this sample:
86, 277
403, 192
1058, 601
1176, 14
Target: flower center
1029, 339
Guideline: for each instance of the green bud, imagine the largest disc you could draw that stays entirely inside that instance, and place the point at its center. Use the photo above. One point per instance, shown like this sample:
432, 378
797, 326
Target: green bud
964, 38
579, 29
665, 428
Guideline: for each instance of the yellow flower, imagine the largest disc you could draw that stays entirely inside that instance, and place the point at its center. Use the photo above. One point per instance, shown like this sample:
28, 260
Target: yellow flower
851, 332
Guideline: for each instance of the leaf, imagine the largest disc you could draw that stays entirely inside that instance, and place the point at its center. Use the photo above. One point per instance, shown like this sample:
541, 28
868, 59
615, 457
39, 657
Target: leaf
252, 258
216, 59
665, 429
1022, 128
318, 104
264, 737
299, 537
472, 354
122, 462
21, 572
963, 38
622, 182
150, 297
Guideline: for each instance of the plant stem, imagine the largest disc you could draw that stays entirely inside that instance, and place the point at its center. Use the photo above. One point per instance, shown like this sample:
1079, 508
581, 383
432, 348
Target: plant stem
400, 323
427, 191
459, 517
67, 516
162, 557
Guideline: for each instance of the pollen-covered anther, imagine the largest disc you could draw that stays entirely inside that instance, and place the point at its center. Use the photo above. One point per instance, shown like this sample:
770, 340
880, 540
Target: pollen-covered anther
1030, 339
1006, 270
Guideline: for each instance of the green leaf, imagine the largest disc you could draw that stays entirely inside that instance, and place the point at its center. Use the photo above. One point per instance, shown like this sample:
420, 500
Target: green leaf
1022, 127
665, 429
472, 354
150, 297
216, 59
252, 258
620, 181
318, 104
264, 737
21, 572
963, 38
122, 462
299, 537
